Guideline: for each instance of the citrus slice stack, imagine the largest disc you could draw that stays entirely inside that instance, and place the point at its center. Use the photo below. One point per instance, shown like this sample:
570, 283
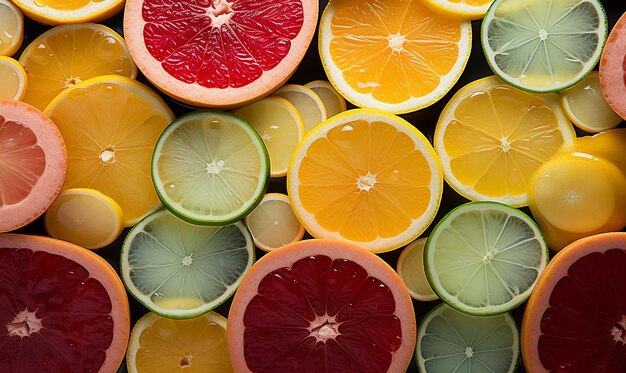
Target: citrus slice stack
69, 11
309, 105
11, 28
66, 55
612, 69
461, 9
334, 103
273, 224
33, 164
119, 121
321, 306
221, 53
397, 56
13, 78
365, 176
410, 268
62, 307
575, 320
543, 45
491, 137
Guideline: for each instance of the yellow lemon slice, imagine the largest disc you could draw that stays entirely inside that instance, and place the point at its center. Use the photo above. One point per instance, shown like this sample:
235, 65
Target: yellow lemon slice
11, 28
273, 223
55, 12
460, 9
13, 78
333, 101
410, 268
307, 102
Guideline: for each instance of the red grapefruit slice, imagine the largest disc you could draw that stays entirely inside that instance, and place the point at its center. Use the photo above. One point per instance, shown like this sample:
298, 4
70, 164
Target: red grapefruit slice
33, 163
219, 53
575, 319
321, 306
62, 308
613, 68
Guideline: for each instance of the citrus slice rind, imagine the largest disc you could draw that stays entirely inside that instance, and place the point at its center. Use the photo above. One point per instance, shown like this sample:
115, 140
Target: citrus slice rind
334, 103
410, 268
543, 45
448, 339
11, 28
180, 270
65, 12
484, 258
273, 223
309, 105
14, 79
335, 171
210, 167
463, 9
612, 68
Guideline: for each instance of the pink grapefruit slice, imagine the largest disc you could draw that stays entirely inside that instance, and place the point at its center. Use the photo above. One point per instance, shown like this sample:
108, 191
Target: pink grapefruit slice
219, 53
62, 308
321, 306
613, 68
33, 164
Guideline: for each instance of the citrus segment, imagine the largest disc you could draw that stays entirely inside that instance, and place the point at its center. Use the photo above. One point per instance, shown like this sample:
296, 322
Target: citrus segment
210, 167
365, 176
221, 53
606, 144
65, 55
13, 78
62, 308
613, 68
307, 102
85, 217
280, 126
55, 12
543, 46
575, 320
484, 258
334, 103
33, 164
11, 28
180, 270
120, 121
273, 224
410, 268
321, 305
460, 9
491, 137
449, 340
160, 345
397, 56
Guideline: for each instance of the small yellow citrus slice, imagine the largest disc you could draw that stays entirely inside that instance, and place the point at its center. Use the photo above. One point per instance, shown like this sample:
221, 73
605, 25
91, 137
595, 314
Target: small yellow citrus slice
410, 268
85, 217
273, 223
158, 344
13, 78
333, 101
308, 103
55, 12
11, 28
280, 126
66, 55
460, 9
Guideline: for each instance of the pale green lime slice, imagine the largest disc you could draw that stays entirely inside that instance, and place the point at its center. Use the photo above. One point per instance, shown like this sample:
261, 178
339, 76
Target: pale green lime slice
452, 341
484, 258
181, 270
543, 45
210, 167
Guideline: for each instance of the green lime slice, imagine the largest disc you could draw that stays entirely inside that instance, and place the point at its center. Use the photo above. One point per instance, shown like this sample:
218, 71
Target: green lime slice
210, 167
484, 258
452, 341
543, 45
181, 270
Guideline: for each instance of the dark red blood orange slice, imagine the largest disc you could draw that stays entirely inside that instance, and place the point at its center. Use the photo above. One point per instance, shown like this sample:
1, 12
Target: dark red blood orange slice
575, 319
219, 53
613, 68
321, 306
33, 164
62, 308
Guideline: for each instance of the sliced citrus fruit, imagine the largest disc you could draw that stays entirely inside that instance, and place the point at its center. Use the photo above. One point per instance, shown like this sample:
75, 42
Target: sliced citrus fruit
120, 121
334, 103
33, 164
365, 176
210, 168
460, 9
55, 12
397, 56
180, 270
273, 224
307, 102
321, 306
63, 308
85, 217
158, 344
280, 126
491, 137
66, 55
585, 106
11, 28
452, 341
220, 53
13, 78
575, 320
484, 258
410, 268
607, 144
613, 68
543, 45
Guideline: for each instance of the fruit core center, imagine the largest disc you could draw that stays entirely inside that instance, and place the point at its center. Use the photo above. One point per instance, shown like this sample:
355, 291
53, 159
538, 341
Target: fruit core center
187, 261
543, 34
489, 256
366, 182
24, 324
324, 328
215, 167
185, 362
107, 155
505, 145
469, 352
396, 41
619, 331
220, 13
72, 81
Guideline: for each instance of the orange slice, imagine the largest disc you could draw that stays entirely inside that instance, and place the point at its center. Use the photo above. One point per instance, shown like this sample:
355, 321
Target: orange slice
55, 12
273, 224
13, 78
11, 28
